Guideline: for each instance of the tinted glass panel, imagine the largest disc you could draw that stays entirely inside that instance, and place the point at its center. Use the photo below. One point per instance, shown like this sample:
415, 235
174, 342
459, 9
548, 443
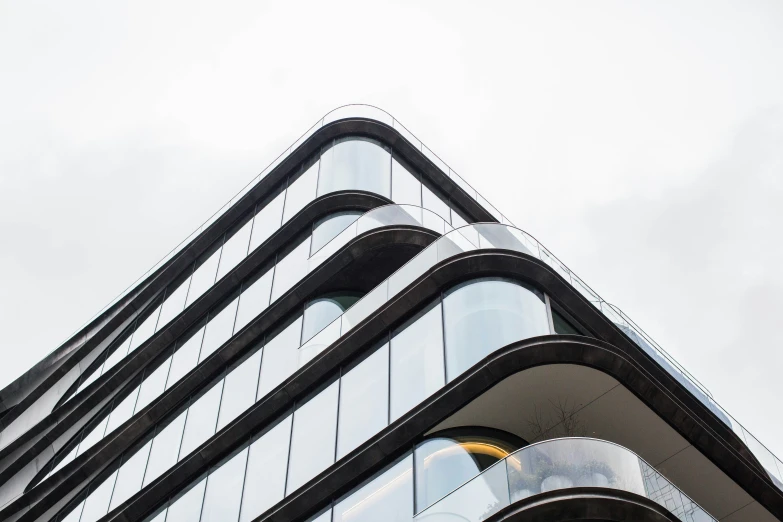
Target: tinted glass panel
187, 508
280, 357
153, 385
406, 188
386, 498
486, 314
201, 420
320, 312
562, 326
416, 361
291, 268
174, 303
355, 164
312, 439
300, 192
97, 503
130, 476
234, 250
239, 390
165, 449
224, 491
267, 221
203, 277
185, 358
327, 228
364, 400
219, 329
253, 300
266, 468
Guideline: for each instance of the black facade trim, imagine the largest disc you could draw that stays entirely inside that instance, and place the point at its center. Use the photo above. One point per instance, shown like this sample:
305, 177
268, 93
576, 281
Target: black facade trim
616, 355
583, 504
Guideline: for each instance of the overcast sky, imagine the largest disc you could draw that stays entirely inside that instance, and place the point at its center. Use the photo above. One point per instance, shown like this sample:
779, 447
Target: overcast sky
641, 142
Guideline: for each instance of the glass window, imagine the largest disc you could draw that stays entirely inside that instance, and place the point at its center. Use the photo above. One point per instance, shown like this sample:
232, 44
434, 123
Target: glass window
322, 311
114, 357
224, 490
434, 203
203, 278
97, 503
562, 326
445, 463
291, 268
219, 329
254, 299
144, 330
326, 516
152, 385
327, 228
416, 360
93, 436
406, 187
300, 192
122, 411
312, 438
267, 221
266, 468
385, 498
280, 357
75, 514
165, 448
457, 220
239, 390
234, 250
187, 508
364, 401
174, 303
130, 475
185, 358
483, 315
201, 420
355, 164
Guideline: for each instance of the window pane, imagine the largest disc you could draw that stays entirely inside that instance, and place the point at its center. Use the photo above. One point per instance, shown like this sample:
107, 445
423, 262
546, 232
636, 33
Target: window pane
143, 331
562, 326
75, 514
234, 250
267, 221
320, 312
406, 188
187, 508
291, 268
364, 401
386, 498
219, 329
239, 390
300, 192
457, 220
266, 468
174, 303
312, 439
280, 357
355, 164
224, 490
114, 357
130, 476
432, 202
165, 448
97, 503
416, 361
185, 358
122, 411
486, 314
327, 228
93, 436
253, 300
153, 385
201, 420
203, 278
326, 516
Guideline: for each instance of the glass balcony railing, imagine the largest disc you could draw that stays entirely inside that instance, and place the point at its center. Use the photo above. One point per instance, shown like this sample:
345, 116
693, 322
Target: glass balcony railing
558, 465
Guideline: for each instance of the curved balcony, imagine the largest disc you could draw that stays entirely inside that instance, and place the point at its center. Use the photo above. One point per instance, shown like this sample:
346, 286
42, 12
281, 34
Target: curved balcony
560, 464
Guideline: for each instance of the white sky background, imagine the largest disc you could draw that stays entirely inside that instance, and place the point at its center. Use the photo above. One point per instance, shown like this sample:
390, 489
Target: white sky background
641, 142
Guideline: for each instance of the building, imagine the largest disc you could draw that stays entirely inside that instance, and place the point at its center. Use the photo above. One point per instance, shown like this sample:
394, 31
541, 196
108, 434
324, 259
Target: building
360, 336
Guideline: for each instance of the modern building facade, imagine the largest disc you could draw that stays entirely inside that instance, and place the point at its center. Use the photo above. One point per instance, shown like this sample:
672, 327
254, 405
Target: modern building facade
359, 336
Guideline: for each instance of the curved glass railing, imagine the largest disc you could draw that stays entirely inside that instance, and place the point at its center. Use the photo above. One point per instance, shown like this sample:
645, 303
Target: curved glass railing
557, 465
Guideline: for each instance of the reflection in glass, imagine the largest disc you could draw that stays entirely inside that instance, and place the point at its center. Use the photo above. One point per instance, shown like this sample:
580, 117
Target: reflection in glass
201, 420
406, 187
364, 399
322, 311
326, 228
239, 390
130, 476
386, 498
97, 503
312, 439
254, 299
266, 468
300, 192
416, 360
187, 508
234, 250
165, 448
185, 358
267, 221
355, 164
219, 329
483, 315
203, 278
224, 490
291, 268
280, 357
